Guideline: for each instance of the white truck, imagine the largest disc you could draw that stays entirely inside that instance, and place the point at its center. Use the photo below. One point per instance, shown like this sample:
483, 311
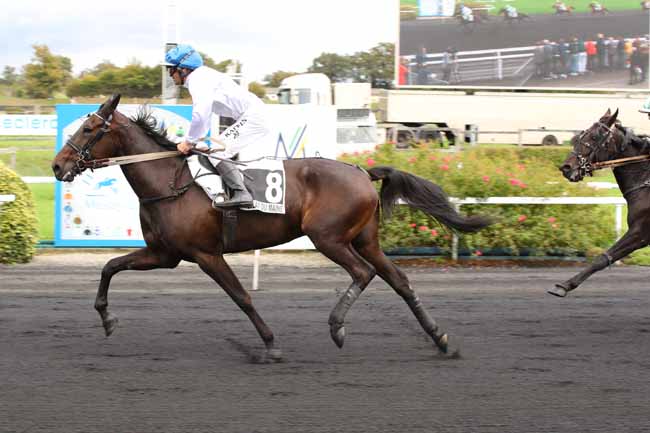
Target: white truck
356, 126
503, 117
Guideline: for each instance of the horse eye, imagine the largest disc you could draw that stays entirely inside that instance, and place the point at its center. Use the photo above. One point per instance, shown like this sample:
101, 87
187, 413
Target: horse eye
87, 130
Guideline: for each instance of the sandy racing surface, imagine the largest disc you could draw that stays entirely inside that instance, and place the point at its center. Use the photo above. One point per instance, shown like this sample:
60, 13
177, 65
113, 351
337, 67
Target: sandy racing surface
184, 358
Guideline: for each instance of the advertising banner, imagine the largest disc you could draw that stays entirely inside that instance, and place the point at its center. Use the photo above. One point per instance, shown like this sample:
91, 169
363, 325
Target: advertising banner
28, 124
534, 44
99, 209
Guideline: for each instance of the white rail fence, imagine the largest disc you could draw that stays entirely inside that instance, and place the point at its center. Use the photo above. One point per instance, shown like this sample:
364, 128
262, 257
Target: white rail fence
478, 65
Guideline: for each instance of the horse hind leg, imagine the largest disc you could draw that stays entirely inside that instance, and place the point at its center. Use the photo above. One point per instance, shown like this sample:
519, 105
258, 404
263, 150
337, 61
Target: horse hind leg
140, 260
367, 245
361, 272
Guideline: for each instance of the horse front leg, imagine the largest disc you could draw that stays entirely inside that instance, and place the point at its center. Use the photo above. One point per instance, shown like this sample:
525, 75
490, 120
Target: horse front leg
217, 268
140, 260
631, 241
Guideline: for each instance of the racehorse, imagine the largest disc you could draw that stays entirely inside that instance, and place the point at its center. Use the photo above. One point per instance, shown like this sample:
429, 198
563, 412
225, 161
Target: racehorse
601, 146
560, 10
645, 5
333, 203
598, 9
510, 19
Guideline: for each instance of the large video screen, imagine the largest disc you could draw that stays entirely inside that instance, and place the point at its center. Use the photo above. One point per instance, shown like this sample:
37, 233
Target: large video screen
576, 44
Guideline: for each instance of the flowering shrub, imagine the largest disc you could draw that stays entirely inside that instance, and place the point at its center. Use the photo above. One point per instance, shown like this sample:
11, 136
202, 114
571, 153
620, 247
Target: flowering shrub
490, 172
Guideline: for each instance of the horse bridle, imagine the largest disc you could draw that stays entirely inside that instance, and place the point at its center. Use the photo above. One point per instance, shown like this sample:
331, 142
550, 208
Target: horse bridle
585, 164
83, 152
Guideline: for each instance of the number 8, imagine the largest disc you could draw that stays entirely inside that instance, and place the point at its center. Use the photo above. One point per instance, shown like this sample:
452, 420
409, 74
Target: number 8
273, 192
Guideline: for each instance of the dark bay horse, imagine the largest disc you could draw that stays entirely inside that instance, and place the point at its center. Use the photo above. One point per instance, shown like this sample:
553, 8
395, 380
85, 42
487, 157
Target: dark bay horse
333, 203
521, 17
604, 141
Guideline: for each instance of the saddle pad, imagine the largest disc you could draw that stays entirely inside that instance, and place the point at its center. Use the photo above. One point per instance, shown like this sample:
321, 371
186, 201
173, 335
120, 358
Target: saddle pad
264, 179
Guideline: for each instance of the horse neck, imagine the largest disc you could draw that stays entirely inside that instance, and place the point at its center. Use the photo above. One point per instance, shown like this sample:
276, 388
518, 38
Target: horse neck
150, 178
631, 175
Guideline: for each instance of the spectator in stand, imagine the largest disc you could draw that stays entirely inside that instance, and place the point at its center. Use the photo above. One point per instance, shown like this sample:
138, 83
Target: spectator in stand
635, 65
548, 60
557, 60
582, 56
403, 73
565, 56
620, 53
612, 49
644, 51
575, 56
629, 49
421, 70
448, 61
601, 51
590, 47
539, 59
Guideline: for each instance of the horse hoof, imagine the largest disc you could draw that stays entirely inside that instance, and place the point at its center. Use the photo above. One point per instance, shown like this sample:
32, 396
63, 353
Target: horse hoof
110, 324
443, 343
558, 291
338, 335
274, 355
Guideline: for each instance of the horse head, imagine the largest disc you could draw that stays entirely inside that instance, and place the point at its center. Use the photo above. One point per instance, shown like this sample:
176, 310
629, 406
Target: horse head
601, 142
93, 140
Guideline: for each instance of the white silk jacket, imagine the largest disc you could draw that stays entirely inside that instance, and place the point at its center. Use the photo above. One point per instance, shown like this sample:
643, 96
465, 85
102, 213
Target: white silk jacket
215, 92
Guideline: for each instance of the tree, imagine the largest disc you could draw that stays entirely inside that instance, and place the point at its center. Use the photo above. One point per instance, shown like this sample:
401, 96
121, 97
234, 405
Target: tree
335, 66
275, 79
9, 75
257, 89
375, 64
47, 73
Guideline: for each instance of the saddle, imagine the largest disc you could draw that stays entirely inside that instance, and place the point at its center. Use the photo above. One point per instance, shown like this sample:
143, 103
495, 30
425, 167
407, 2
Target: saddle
264, 179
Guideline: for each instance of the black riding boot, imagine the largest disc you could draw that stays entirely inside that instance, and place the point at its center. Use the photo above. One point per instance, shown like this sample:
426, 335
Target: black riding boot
234, 180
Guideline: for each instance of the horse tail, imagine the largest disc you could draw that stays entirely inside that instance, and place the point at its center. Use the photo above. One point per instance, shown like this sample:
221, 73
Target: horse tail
423, 195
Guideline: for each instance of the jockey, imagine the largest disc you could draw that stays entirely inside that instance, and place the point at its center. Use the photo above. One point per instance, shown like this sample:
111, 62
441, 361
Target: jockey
597, 7
467, 13
215, 92
646, 108
560, 6
511, 11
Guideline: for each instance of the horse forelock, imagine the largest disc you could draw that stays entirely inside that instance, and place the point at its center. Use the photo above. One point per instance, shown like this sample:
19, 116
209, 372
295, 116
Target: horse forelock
149, 125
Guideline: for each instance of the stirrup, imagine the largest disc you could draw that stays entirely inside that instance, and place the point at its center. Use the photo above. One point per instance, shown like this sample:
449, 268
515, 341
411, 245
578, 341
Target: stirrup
233, 203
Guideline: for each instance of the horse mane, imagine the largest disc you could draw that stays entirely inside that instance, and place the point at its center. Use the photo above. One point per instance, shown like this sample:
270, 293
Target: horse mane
147, 122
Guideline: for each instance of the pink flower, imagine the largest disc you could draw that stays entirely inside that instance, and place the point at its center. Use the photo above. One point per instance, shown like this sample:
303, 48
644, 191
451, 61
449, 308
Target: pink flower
444, 167
432, 157
413, 225
498, 171
486, 179
370, 162
522, 218
478, 253
515, 182
434, 233
447, 159
551, 219
412, 160
522, 185
424, 228
521, 167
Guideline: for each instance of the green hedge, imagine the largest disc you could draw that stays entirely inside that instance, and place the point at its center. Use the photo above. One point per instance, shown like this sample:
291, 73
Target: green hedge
18, 224
488, 172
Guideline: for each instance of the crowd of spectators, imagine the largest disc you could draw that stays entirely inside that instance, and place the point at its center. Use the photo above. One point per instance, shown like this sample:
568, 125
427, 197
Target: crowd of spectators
577, 56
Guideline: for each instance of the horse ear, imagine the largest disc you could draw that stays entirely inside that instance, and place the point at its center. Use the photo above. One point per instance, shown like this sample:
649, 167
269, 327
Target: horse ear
607, 113
612, 119
109, 106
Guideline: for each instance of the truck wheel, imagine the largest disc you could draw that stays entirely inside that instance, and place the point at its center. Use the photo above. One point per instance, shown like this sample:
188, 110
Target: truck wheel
549, 140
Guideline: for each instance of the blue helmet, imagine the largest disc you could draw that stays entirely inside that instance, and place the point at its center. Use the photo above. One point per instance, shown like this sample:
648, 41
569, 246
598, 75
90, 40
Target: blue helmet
183, 56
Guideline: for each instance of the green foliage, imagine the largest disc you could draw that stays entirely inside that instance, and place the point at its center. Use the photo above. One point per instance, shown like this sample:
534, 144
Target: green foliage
9, 76
275, 79
133, 80
363, 66
46, 74
257, 89
17, 220
487, 172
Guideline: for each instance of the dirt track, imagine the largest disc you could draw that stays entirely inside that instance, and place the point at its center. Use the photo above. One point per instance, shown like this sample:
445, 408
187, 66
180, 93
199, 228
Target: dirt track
183, 358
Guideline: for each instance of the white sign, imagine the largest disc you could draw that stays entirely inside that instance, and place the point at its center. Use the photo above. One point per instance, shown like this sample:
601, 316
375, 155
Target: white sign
436, 8
28, 124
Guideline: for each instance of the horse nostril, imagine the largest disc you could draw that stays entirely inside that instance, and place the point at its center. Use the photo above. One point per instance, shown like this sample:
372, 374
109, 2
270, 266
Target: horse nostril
56, 169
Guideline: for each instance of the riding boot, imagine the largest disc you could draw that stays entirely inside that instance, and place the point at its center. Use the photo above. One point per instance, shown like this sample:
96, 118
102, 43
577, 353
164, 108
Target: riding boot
234, 180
